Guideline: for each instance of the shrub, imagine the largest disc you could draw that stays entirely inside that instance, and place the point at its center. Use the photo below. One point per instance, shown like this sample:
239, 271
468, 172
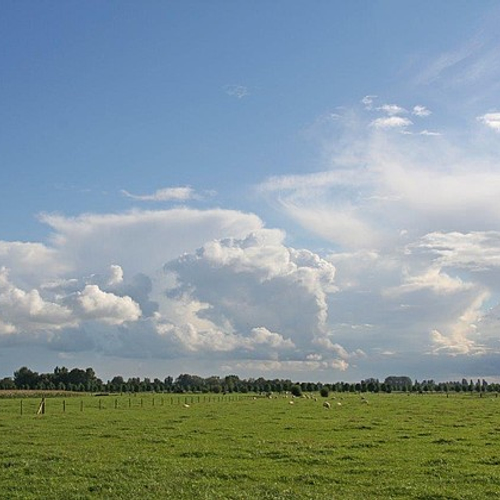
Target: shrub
324, 392
296, 390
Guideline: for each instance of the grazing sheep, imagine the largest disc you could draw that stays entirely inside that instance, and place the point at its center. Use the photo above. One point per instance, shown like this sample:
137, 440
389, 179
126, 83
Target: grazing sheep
339, 404
326, 405
186, 405
291, 403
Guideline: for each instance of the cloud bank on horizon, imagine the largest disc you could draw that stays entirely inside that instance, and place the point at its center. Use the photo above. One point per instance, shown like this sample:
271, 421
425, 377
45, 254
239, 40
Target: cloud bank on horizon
382, 257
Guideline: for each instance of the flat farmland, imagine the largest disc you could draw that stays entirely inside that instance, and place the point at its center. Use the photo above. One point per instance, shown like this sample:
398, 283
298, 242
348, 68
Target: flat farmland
237, 447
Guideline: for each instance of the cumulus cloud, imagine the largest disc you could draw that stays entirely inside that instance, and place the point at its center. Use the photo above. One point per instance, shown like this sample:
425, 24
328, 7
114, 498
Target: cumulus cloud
91, 243
107, 307
116, 275
184, 193
27, 311
254, 297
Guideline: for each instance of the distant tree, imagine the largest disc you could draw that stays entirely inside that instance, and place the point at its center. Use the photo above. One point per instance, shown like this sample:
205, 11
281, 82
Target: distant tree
296, 390
7, 384
24, 378
324, 392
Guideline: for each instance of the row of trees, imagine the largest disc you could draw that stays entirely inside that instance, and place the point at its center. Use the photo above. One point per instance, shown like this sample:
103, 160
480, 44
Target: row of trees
86, 380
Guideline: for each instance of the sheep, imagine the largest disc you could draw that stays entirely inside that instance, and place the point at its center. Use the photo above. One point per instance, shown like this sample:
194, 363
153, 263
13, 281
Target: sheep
186, 405
326, 405
291, 403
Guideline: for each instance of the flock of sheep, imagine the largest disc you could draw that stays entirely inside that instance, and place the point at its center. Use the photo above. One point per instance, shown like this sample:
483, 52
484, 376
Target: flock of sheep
326, 404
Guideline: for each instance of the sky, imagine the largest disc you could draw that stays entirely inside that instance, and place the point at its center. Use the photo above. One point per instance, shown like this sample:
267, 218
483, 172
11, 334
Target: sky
286, 189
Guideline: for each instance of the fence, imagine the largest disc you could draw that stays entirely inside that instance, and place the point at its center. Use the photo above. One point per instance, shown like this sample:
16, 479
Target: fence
60, 405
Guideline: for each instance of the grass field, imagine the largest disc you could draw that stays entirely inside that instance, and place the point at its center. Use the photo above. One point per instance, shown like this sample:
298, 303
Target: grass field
396, 446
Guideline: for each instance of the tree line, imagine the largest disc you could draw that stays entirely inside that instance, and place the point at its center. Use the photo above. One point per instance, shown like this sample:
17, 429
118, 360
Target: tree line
86, 380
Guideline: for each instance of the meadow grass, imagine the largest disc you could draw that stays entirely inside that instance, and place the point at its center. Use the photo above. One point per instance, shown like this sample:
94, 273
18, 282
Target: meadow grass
397, 446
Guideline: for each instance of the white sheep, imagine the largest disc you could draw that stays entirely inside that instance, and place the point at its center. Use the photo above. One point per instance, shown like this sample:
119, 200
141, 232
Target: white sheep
326, 405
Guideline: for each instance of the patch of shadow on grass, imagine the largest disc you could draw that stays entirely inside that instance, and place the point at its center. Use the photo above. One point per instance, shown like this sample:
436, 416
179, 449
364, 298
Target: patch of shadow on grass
443, 441
437, 496
277, 455
490, 461
197, 454
364, 445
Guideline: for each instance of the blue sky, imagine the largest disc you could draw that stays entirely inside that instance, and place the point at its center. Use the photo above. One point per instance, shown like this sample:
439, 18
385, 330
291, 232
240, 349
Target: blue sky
296, 189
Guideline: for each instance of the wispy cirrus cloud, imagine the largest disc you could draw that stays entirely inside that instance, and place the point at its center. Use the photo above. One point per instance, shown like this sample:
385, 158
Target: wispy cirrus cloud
182, 193
391, 122
238, 91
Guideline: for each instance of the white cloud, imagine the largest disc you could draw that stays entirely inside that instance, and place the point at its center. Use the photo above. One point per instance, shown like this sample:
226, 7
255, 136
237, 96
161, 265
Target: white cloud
432, 279
238, 91
251, 295
421, 111
6, 328
90, 243
457, 340
287, 367
476, 250
391, 122
491, 120
368, 101
184, 193
262, 336
27, 311
392, 109
107, 307
116, 275
430, 133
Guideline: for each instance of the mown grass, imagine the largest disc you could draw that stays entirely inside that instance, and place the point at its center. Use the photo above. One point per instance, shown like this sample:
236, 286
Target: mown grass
396, 446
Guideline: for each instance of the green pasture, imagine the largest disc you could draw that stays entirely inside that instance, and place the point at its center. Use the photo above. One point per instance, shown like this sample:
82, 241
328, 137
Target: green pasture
395, 446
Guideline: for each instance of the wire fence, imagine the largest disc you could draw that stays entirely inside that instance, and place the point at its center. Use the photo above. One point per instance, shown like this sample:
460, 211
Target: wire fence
26, 406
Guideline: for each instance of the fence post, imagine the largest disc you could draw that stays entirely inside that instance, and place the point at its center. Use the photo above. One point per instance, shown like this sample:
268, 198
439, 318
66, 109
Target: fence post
21, 407
41, 408
64, 406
